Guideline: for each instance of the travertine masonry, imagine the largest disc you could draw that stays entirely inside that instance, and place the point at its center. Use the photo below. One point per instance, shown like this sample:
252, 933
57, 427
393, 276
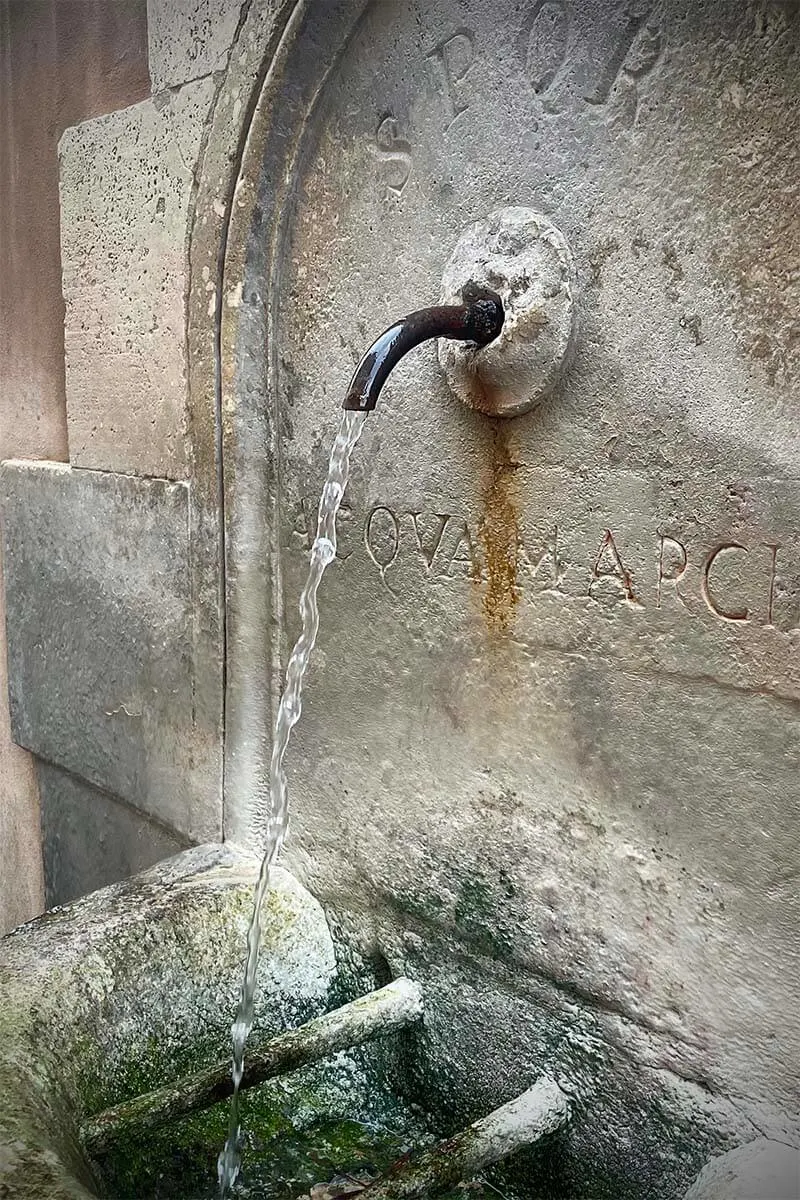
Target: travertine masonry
126, 194
59, 63
189, 38
548, 759
549, 738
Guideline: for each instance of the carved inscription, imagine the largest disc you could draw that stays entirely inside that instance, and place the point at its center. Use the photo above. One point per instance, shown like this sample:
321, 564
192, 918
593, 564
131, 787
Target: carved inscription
562, 64
731, 613
442, 543
732, 582
544, 43
429, 542
394, 155
736, 582
542, 565
609, 567
464, 560
451, 61
672, 564
635, 51
305, 523
561, 61
382, 538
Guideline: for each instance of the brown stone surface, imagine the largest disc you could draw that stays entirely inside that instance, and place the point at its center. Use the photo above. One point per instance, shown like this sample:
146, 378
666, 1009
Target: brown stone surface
60, 62
21, 887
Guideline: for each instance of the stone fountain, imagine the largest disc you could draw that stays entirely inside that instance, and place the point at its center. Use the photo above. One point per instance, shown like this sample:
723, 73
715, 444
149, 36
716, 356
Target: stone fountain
557, 783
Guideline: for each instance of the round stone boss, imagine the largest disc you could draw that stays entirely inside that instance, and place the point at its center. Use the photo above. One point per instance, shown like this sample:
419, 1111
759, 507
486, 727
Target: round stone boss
525, 259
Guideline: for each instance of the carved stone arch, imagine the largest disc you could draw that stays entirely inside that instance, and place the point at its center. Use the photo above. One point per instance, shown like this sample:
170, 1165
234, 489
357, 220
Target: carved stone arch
278, 65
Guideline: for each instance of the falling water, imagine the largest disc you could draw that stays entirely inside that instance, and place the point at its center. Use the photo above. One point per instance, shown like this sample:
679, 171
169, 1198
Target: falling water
323, 552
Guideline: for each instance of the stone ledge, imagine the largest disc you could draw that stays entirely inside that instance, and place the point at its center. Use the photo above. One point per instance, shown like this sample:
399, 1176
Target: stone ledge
100, 638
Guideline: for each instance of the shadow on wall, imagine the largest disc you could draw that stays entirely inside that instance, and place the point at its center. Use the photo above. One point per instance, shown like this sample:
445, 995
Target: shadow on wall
61, 61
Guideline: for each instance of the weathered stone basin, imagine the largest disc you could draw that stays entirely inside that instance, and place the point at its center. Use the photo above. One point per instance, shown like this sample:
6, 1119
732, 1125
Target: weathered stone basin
133, 986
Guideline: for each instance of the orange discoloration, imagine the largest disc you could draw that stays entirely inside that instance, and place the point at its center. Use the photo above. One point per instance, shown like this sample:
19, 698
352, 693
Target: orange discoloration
499, 533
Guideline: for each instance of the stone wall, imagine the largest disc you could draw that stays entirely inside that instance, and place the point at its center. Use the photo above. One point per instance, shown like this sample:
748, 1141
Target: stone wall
60, 62
548, 754
105, 166
117, 661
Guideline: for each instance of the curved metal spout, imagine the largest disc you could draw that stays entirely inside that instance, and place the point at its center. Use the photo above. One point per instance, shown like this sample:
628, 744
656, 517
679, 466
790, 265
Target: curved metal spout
480, 321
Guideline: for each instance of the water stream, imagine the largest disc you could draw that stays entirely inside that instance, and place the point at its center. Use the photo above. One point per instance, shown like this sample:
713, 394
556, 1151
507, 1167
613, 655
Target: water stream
323, 553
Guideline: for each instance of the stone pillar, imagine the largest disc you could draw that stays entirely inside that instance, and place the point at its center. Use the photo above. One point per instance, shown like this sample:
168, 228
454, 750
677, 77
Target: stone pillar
60, 62
116, 664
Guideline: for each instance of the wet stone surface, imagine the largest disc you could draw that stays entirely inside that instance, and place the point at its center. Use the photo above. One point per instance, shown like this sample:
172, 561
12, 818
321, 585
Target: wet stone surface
134, 986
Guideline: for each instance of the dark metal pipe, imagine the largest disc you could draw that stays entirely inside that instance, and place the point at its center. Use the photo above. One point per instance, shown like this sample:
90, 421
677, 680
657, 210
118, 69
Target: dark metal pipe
479, 321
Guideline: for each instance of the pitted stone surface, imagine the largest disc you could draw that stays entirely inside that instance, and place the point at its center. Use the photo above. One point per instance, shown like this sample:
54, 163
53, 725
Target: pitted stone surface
520, 255
126, 189
100, 638
189, 38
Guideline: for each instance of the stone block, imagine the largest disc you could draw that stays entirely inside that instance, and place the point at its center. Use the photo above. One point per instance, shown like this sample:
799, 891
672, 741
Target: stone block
760, 1169
126, 190
101, 638
189, 38
91, 839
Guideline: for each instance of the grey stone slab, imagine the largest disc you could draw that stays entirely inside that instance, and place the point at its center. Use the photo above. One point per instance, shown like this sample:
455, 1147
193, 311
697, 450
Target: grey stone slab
189, 38
91, 839
126, 189
760, 1169
100, 638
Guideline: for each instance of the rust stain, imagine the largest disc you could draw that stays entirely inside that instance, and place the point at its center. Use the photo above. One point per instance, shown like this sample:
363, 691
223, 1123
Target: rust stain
499, 532
479, 396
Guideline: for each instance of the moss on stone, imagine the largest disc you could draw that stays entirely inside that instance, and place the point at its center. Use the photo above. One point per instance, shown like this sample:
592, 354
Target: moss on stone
335, 1117
426, 906
135, 987
476, 916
